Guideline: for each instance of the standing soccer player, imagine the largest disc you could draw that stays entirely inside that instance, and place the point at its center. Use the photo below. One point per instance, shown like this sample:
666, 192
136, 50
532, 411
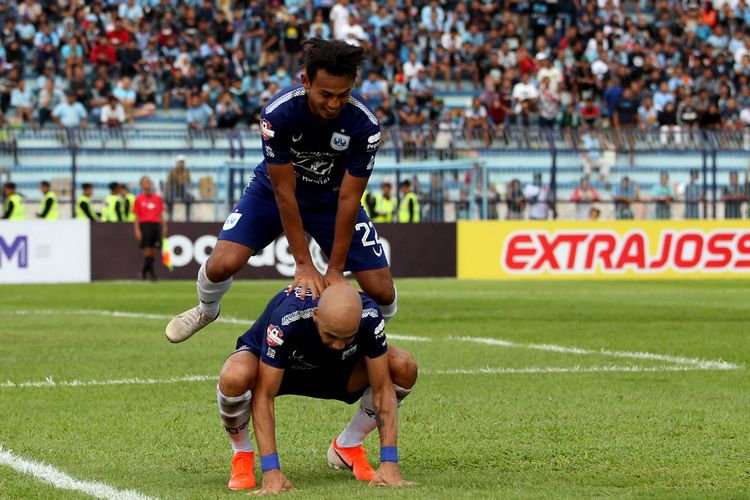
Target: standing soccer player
150, 226
319, 146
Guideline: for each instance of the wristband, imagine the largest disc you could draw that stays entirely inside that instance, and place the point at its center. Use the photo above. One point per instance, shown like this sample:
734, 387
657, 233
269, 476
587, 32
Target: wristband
389, 454
270, 462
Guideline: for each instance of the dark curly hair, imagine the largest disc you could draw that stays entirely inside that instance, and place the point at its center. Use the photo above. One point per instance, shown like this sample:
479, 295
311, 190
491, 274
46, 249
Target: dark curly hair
336, 57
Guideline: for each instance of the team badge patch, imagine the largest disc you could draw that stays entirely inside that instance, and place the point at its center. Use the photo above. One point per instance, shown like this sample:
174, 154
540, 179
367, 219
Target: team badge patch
274, 335
340, 142
231, 221
265, 129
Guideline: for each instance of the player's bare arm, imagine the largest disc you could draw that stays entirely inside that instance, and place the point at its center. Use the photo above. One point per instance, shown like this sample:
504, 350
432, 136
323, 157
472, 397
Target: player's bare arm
264, 424
306, 275
384, 399
350, 196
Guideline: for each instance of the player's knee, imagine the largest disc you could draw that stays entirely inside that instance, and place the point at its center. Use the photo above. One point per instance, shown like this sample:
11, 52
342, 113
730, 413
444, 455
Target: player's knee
404, 369
222, 266
384, 294
236, 378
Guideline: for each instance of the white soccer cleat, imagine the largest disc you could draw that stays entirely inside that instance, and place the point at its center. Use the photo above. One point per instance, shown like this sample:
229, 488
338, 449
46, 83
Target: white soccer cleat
184, 325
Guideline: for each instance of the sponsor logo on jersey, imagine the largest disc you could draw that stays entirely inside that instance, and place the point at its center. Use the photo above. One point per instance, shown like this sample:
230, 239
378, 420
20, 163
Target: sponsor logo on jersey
274, 335
231, 221
339, 141
370, 312
373, 142
269, 152
297, 138
349, 351
371, 165
299, 362
380, 329
265, 129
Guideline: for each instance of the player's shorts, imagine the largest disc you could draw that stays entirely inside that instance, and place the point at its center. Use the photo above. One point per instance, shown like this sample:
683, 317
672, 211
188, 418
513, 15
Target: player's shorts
255, 223
150, 235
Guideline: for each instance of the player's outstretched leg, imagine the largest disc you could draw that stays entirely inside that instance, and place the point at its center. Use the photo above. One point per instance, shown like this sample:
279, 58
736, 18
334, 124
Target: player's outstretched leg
346, 451
235, 414
214, 280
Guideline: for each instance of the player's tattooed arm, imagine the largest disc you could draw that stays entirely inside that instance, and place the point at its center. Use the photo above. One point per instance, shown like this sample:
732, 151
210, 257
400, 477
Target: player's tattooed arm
383, 398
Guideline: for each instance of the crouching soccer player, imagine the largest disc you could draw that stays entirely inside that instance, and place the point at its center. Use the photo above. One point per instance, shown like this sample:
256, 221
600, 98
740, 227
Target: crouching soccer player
333, 347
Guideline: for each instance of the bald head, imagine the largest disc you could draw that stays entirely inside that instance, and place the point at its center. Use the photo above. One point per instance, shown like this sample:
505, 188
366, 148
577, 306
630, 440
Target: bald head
340, 309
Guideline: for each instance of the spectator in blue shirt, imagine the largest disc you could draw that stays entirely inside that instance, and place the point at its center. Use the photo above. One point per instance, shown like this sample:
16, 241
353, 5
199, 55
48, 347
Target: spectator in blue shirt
70, 113
199, 116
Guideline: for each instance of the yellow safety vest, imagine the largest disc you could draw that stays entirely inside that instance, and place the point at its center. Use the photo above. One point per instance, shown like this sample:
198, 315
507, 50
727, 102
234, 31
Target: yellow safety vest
109, 214
54, 210
403, 208
364, 203
128, 216
80, 214
383, 205
18, 210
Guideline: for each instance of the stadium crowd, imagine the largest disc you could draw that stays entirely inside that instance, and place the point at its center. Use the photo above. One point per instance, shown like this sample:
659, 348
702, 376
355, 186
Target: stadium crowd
666, 66
674, 65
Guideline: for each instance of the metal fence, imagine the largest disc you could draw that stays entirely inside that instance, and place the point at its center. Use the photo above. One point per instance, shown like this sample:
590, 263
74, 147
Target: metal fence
455, 169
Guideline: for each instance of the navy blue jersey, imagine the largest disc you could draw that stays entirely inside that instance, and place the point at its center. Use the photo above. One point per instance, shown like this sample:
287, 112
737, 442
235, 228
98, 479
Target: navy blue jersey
285, 335
320, 151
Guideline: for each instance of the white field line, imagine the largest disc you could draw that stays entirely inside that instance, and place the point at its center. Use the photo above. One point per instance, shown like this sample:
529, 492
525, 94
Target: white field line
692, 362
49, 382
137, 315
63, 481
569, 369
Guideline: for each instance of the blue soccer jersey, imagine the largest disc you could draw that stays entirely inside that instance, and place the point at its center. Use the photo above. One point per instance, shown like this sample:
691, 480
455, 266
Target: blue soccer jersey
320, 150
285, 336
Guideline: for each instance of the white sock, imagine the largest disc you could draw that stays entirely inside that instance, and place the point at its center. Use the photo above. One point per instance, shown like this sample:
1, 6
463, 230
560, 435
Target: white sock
235, 416
389, 311
210, 293
363, 422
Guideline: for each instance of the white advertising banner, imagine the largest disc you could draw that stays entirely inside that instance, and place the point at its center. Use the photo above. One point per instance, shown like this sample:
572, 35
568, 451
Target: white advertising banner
45, 251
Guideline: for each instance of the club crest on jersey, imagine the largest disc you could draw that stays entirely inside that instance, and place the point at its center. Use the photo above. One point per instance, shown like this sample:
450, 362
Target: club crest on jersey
231, 221
274, 335
340, 142
265, 129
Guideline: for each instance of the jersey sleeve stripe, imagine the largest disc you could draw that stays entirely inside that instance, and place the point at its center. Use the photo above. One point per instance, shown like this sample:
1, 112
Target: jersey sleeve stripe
284, 98
364, 109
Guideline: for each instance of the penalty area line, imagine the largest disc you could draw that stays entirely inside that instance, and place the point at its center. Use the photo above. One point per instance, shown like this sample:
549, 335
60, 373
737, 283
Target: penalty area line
571, 369
49, 382
702, 364
59, 479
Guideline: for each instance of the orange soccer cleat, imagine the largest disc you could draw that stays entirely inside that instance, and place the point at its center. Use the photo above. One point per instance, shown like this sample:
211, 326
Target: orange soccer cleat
354, 459
243, 471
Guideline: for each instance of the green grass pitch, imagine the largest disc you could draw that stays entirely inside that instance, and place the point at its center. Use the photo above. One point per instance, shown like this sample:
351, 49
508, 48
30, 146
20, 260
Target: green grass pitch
569, 406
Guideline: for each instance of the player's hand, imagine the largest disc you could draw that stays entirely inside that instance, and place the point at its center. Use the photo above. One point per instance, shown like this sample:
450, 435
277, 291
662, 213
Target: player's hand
334, 276
307, 277
274, 481
388, 474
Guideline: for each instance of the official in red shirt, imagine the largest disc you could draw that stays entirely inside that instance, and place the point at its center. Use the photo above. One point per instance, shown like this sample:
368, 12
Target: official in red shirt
150, 225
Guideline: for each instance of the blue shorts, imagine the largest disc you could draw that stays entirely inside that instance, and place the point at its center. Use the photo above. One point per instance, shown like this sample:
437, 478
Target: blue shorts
255, 223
